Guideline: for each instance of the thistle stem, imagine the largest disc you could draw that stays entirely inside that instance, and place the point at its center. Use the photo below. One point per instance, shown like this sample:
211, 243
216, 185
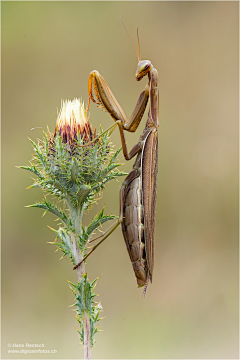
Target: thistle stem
87, 345
86, 319
81, 268
80, 273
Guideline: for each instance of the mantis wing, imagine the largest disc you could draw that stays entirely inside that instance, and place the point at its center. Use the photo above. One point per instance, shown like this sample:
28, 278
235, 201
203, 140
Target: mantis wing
149, 190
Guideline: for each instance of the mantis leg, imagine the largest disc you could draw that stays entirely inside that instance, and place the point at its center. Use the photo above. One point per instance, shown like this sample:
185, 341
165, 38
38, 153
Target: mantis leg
94, 248
137, 147
111, 128
106, 100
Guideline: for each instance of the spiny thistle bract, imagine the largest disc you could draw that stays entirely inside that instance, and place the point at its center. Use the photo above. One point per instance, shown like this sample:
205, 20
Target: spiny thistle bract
76, 175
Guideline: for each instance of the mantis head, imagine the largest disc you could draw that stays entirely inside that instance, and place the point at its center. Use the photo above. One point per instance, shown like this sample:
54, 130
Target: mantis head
143, 68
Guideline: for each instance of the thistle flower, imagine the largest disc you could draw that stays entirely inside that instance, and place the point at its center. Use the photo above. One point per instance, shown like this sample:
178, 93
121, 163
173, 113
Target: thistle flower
73, 164
72, 121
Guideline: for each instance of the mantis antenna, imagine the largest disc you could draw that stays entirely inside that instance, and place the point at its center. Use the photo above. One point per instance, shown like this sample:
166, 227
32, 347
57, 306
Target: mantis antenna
138, 44
139, 58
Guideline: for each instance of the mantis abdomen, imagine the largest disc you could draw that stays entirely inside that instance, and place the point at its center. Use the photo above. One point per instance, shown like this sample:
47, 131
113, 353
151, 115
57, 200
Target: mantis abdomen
133, 224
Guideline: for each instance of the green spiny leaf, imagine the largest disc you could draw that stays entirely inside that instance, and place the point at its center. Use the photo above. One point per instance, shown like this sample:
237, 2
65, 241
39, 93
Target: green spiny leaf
38, 153
46, 205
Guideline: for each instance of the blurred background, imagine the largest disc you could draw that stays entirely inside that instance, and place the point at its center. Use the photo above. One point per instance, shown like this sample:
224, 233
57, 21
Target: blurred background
191, 309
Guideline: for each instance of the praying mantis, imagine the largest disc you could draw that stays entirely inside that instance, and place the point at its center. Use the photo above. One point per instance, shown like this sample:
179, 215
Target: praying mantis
138, 194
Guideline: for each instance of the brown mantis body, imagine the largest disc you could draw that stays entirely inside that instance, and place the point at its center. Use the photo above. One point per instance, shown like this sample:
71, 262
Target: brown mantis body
138, 193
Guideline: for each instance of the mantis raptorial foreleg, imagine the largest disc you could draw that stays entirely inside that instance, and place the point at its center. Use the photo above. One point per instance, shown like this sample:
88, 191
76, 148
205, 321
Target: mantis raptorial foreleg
106, 99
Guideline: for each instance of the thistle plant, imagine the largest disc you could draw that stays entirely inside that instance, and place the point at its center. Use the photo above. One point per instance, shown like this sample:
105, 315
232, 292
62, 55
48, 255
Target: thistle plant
73, 164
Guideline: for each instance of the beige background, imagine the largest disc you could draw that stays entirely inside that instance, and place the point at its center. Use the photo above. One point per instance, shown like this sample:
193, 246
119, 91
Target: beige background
191, 309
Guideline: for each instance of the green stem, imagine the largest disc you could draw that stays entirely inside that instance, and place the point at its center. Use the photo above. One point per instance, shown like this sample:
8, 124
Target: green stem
76, 214
87, 345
